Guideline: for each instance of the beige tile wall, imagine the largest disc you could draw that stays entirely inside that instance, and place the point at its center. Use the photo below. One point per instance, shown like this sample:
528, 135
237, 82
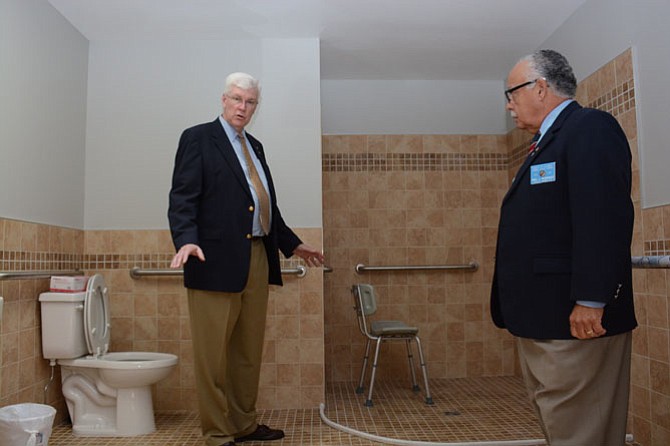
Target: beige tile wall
415, 200
29, 246
150, 314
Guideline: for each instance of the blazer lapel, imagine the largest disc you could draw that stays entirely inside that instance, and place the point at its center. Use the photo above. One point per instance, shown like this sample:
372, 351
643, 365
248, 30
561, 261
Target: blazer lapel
222, 143
544, 142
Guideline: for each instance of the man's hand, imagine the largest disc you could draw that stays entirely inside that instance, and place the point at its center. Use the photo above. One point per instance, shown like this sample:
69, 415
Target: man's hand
586, 322
310, 255
184, 253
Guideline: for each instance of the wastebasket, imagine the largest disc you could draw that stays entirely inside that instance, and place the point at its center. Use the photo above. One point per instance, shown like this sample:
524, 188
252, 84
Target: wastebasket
26, 424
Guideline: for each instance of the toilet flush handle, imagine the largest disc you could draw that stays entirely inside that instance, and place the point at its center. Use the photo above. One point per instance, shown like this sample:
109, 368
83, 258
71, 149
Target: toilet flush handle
79, 307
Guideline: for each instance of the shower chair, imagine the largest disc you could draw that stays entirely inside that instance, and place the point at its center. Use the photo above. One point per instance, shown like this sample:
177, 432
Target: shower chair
365, 305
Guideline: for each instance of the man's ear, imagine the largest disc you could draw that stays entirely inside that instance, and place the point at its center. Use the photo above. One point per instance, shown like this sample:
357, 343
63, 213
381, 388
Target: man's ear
542, 88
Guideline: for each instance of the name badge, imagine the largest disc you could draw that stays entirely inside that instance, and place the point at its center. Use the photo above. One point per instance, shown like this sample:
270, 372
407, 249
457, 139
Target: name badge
543, 173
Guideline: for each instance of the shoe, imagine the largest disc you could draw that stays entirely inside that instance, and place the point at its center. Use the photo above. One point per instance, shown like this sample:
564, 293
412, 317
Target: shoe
262, 433
228, 443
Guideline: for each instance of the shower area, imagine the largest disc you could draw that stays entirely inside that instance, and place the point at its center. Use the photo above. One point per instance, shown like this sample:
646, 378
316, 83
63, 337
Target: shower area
431, 201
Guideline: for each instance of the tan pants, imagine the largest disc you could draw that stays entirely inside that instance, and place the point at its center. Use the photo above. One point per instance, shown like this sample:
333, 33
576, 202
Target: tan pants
579, 388
228, 330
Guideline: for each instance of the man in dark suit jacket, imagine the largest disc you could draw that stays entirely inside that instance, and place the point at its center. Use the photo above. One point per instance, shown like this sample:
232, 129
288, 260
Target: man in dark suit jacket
223, 212
562, 281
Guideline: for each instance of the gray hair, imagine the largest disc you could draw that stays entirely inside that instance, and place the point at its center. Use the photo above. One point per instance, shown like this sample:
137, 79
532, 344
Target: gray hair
241, 80
554, 67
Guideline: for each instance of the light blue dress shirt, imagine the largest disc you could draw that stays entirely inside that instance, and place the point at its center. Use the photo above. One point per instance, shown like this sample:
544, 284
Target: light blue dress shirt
257, 230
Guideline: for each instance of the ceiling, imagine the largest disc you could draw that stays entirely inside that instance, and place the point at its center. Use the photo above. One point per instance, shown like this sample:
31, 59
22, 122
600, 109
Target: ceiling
360, 39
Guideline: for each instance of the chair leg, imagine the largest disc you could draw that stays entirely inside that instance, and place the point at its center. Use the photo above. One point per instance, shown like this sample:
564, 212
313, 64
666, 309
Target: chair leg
415, 386
360, 387
429, 399
368, 402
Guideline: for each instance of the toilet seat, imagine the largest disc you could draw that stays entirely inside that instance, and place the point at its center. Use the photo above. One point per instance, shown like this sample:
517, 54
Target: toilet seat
123, 361
96, 316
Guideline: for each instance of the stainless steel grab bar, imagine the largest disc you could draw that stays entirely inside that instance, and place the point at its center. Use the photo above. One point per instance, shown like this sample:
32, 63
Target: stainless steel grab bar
16, 275
136, 273
650, 261
472, 266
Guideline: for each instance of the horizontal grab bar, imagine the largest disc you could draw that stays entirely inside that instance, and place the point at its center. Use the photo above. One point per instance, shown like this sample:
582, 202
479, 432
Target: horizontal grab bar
472, 266
650, 261
15, 275
137, 273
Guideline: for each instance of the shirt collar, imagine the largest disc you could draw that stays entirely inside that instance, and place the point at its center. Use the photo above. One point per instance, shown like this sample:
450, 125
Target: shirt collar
230, 131
551, 117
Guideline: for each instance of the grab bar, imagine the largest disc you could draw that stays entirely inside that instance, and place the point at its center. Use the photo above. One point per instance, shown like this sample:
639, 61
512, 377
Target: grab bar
650, 261
16, 275
136, 272
472, 266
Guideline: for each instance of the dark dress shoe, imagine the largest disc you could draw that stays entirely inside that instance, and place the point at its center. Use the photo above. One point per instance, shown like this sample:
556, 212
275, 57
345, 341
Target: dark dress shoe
262, 433
228, 443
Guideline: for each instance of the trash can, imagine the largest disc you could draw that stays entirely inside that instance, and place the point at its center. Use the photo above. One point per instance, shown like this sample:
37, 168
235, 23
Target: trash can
26, 424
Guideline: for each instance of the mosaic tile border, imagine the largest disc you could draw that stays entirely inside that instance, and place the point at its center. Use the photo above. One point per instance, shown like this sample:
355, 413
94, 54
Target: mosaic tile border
407, 162
43, 261
657, 248
618, 100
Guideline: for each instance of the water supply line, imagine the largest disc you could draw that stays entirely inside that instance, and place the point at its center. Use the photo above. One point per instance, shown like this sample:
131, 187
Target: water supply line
396, 441
52, 363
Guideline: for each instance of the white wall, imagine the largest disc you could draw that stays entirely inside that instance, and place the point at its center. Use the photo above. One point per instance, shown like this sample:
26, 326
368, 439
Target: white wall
43, 69
602, 29
143, 94
413, 107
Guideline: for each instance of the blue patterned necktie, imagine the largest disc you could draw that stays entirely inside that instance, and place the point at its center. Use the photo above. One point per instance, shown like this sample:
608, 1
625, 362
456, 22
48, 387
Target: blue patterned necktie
533, 143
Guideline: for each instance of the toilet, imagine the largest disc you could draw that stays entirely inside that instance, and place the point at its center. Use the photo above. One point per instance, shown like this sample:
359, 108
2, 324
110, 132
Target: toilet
108, 394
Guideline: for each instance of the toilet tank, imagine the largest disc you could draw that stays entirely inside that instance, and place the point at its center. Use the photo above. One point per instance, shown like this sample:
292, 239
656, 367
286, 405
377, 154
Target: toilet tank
63, 325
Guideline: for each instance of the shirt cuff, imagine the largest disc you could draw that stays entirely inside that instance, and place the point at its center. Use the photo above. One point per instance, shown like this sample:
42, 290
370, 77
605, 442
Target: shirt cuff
591, 304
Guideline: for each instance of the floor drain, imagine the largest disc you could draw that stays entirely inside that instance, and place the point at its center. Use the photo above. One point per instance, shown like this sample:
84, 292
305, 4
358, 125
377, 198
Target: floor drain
452, 413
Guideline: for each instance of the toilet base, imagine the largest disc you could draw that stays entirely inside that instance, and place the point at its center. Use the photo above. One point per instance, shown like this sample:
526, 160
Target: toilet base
135, 411
134, 416
97, 410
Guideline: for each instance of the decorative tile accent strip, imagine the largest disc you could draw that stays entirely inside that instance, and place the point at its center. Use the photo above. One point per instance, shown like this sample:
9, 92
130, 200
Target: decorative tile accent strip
657, 248
43, 261
394, 162
38, 261
618, 100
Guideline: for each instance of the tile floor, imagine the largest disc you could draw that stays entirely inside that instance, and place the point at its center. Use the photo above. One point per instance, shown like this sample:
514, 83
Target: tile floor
464, 410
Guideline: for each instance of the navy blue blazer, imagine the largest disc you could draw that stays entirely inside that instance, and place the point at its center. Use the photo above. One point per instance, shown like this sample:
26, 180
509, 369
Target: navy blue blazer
565, 230
211, 206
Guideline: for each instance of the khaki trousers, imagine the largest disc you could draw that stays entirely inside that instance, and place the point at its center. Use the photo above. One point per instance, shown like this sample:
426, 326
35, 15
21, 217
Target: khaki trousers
227, 331
579, 388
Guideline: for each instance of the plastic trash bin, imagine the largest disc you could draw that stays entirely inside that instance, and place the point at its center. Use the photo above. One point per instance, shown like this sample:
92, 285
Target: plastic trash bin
26, 424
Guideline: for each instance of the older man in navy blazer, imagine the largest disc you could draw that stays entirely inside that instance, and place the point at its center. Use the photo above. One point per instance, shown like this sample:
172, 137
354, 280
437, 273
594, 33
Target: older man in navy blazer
227, 230
562, 282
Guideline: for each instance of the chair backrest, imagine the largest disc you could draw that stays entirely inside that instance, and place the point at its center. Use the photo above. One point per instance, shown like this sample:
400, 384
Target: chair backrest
365, 305
364, 293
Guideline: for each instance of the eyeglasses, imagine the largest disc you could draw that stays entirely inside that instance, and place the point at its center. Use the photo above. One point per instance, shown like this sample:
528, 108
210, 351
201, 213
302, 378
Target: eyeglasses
238, 100
509, 91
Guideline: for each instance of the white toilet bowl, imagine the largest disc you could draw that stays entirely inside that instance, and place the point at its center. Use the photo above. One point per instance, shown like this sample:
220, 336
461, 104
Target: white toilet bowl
108, 394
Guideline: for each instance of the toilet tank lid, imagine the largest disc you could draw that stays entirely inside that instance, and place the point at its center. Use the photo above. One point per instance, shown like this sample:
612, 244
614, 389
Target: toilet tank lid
62, 297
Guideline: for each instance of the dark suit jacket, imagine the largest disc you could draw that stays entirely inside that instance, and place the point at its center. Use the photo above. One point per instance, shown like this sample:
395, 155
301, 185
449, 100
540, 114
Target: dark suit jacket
211, 206
568, 239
